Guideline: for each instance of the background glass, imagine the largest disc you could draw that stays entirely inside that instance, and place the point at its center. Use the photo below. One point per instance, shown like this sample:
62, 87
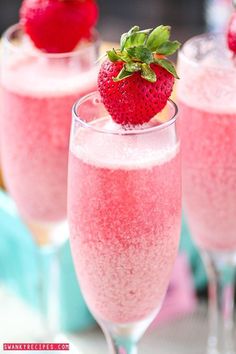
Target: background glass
37, 93
207, 96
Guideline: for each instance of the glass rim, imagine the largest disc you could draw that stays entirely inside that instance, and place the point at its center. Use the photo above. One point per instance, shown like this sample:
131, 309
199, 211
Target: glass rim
6, 40
147, 130
194, 62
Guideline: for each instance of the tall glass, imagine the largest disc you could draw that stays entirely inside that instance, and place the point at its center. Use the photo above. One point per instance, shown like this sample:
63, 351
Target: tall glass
37, 93
124, 206
207, 102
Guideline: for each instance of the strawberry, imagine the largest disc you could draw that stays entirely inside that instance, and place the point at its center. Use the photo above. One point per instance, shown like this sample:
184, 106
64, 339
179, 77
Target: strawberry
136, 80
231, 34
56, 26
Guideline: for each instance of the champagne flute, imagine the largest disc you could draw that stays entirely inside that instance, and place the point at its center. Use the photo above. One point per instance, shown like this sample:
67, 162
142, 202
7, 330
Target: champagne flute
206, 97
124, 210
38, 90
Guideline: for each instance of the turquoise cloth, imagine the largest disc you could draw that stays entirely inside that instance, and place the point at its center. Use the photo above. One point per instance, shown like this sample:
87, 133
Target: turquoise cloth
187, 245
18, 267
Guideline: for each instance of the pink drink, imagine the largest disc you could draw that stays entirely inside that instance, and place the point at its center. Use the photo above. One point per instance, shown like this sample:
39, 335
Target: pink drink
124, 215
207, 102
37, 95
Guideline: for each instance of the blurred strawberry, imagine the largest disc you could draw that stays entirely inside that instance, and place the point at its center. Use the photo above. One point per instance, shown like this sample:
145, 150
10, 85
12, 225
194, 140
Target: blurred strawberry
231, 35
57, 26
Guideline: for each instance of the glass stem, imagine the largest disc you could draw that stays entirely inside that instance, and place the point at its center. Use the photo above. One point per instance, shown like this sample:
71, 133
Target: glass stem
221, 274
123, 338
48, 290
119, 345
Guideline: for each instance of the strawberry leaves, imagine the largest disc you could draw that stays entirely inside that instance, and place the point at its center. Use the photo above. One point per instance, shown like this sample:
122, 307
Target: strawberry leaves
166, 64
157, 37
133, 38
123, 74
112, 55
147, 73
133, 67
140, 48
140, 53
168, 48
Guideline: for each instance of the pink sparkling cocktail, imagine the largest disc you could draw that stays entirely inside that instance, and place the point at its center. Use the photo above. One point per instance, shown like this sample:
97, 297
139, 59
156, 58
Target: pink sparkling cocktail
124, 206
207, 102
38, 91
